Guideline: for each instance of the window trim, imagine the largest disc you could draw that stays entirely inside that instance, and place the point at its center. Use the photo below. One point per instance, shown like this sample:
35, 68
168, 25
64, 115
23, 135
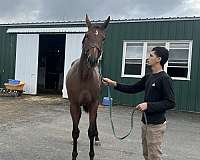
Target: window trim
167, 43
123, 59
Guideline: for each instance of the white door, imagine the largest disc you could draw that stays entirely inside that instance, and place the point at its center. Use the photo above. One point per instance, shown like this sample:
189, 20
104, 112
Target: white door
26, 68
73, 48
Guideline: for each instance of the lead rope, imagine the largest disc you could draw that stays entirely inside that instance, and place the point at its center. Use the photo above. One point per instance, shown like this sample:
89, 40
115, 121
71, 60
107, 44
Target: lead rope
112, 125
110, 108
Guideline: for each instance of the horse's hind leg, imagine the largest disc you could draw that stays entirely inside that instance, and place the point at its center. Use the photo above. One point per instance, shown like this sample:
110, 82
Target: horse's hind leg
92, 132
75, 114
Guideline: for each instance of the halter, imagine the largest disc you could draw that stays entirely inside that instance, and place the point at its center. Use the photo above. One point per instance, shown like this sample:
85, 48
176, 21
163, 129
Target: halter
91, 46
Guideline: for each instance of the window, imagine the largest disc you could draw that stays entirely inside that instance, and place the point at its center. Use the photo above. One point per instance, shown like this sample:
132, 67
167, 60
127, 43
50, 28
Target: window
178, 60
135, 54
133, 58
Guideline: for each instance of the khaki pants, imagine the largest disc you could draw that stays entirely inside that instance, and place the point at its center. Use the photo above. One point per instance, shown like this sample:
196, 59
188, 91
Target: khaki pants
152, 138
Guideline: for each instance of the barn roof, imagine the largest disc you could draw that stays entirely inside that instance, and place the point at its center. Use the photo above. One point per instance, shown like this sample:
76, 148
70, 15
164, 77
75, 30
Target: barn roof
100, 21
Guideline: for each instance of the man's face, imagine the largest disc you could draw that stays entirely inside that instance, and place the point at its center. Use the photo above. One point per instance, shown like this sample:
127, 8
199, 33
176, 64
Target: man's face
152, 60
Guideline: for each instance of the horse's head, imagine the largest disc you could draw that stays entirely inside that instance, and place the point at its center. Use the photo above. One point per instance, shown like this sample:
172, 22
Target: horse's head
93, 41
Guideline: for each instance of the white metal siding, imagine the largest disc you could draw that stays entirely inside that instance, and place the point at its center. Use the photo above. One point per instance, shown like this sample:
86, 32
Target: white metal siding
27, 61
73, 49
48, 30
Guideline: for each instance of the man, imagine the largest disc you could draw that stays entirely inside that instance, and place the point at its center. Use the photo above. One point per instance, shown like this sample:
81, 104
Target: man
159, 97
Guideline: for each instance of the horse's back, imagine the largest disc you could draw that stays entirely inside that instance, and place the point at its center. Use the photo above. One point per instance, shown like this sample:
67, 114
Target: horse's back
75, 61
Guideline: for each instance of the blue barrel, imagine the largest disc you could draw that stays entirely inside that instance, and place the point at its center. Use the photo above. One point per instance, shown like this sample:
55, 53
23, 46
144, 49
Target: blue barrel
107, 101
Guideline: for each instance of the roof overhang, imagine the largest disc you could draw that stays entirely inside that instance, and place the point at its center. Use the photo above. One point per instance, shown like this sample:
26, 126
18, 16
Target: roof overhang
49, 30
100, 21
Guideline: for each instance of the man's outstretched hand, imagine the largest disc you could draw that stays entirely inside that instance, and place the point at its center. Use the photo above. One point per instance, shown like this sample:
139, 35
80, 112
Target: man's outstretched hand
107, 81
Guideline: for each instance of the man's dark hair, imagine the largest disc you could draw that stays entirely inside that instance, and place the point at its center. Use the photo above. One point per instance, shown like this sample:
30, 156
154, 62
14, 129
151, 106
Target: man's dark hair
163, 53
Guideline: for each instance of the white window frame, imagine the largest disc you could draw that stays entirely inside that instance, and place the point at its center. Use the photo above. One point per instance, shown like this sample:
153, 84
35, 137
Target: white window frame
123, 60
145, 42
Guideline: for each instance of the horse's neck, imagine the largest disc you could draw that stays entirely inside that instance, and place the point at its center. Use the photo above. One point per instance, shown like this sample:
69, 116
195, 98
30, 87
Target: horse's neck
84, 70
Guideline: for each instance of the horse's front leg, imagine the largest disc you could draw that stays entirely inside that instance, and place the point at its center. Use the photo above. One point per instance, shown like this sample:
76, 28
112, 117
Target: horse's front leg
97, 140
75, 114
92, 131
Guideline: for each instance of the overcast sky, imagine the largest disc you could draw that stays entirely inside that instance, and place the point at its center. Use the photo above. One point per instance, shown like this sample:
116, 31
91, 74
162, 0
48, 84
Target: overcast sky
13, 11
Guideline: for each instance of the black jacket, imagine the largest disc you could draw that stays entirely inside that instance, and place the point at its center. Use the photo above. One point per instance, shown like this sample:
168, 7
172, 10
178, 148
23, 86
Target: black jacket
159, 95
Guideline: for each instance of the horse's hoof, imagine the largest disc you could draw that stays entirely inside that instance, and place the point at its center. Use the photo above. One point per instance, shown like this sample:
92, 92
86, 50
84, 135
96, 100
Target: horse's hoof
97, 143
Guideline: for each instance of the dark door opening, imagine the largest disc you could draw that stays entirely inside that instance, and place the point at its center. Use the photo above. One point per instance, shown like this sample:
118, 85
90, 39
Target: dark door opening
51, 63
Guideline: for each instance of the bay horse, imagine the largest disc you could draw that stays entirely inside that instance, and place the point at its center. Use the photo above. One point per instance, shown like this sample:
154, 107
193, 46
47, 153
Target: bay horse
83, 83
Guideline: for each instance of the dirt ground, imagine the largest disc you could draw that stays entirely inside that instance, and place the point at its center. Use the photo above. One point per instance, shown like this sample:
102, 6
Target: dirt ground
39, 128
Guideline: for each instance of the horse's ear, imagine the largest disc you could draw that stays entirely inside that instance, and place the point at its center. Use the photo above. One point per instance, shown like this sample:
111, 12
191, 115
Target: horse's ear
88, 23
105, 24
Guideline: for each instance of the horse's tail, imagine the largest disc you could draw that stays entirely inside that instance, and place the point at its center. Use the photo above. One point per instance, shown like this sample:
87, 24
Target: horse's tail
85, 108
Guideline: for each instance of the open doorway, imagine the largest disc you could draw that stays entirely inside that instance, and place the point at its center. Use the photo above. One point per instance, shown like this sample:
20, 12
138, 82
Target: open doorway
51, 63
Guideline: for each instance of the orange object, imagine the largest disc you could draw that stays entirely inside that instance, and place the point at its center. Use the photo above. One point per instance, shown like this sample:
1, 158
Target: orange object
15, 87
